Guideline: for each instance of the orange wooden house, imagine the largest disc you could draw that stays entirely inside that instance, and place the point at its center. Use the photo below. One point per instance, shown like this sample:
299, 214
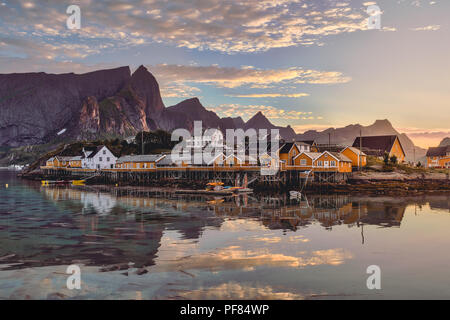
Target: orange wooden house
58, 162
438, 157
332, 162
145, 161
379, 145
359, 158
288, 152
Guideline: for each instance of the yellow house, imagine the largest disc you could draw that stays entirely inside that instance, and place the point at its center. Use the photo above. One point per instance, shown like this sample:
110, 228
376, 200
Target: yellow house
438, 157
311, 143
145, 161
75, 162
50, 162
359, 158
288, 152
233, 161
379, 145
332, 162
58, 162
305, 159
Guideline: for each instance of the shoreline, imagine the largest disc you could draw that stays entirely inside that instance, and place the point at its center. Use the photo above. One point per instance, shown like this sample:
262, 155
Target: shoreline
359, 183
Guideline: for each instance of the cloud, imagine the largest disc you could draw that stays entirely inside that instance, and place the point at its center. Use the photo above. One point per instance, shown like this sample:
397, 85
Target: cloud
239, 291
426, 138
179, 80
270, 95
235, 257
247, 111
226, 26
434, 27
231, 77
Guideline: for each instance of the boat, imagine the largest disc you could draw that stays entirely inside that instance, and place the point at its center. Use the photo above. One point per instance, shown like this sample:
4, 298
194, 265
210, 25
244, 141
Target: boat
216, 188
54, 182
295, 194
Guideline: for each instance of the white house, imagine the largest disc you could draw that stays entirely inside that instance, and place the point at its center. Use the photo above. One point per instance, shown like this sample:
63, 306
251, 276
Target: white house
100, 158
213, 137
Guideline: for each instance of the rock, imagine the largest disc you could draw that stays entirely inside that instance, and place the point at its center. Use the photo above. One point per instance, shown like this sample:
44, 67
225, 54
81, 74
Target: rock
141, 271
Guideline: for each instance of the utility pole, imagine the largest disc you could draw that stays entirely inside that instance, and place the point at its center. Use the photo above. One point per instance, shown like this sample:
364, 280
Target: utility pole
142, 141
360, 149
329, 140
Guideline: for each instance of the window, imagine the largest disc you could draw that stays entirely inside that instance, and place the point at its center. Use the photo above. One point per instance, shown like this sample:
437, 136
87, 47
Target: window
332, 163
303, 162
107, 159
319, 163
100, 159
104, 151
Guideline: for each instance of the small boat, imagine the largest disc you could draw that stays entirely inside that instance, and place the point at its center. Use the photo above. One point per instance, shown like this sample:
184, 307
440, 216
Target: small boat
78, 182
53, 182
215, 201
295, 194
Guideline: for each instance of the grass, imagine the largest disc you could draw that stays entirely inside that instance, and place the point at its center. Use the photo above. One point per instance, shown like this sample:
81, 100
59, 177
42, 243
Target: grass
377, 165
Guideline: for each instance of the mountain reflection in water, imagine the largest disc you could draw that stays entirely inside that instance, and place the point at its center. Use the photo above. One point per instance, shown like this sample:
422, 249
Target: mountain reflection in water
207, 245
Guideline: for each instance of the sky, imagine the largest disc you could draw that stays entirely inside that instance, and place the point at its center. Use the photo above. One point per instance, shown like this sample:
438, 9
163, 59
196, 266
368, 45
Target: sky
310, 64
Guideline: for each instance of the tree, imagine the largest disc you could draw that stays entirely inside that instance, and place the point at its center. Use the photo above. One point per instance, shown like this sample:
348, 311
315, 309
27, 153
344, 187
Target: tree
393, 159
386, 158
419, 164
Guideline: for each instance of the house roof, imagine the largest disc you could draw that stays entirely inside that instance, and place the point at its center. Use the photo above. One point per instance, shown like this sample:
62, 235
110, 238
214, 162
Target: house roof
338, 156
76, 158
97, 150
355, 150
63, 158
287, 147
438, 151
308, 142
380, 144
141, 158
341, 157
312, 155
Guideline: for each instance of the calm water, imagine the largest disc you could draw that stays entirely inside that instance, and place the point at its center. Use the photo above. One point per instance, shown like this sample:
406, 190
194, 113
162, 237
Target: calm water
247, 247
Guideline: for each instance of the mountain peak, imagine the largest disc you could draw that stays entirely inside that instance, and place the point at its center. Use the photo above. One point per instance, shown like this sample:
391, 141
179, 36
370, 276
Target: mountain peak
445, 142
385, 123
258, 121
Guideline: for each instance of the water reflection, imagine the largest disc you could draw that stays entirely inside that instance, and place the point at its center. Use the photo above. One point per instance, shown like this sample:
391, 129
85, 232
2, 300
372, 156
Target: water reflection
249, 246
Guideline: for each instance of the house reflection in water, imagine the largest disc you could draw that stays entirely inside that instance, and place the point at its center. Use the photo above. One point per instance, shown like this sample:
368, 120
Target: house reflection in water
108, 228
280, 212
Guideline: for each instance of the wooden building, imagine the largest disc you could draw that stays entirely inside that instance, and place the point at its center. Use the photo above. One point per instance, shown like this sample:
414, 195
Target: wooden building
359, 158
438, 157
379, 145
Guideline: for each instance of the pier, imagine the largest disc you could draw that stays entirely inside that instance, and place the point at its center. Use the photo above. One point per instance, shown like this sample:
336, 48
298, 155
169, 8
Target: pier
236, 175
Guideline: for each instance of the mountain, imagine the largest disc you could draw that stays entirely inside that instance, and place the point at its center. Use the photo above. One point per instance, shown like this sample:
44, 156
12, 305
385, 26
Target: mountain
41, 108
346, 136
35, 107
183, 115
259, 121
445, 142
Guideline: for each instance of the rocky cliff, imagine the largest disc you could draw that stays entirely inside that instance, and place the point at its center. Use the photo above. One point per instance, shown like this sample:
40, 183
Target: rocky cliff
35, 106
445, 142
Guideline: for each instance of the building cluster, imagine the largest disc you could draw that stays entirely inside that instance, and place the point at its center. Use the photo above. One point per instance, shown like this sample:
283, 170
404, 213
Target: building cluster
438, 157
299, 155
